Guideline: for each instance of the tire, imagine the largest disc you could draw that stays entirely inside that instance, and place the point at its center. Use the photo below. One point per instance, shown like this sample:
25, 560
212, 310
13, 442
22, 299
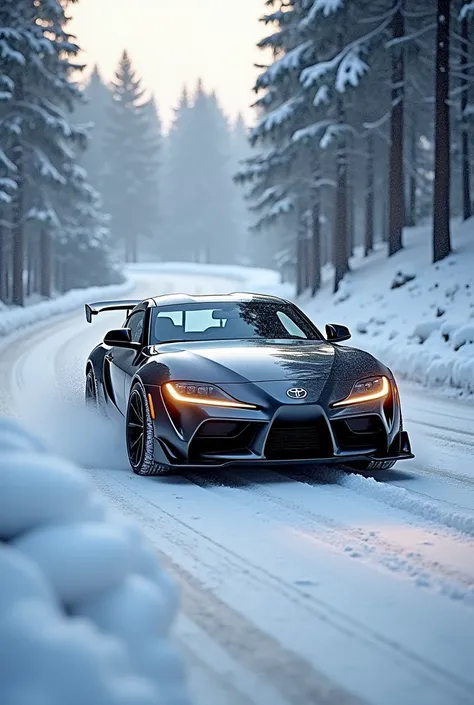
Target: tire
140, 439
91, 394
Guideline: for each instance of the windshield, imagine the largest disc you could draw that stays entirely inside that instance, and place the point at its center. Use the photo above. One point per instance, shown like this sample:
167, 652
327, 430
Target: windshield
231, 321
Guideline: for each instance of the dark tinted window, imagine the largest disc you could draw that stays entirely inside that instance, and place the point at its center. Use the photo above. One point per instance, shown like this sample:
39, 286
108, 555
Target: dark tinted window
231, 321
136, 323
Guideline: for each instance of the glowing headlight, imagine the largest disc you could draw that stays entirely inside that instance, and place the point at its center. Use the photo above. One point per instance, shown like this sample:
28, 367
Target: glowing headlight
365, 390
196, 393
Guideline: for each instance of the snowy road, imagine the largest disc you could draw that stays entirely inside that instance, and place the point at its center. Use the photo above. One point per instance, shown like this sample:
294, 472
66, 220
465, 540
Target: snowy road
301, 586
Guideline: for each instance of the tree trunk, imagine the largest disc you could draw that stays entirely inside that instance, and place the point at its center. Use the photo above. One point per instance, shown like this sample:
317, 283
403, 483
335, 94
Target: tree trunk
3, 256
441, 201
29, 245
340, 228
18, 234
465, 160
350, 212
315, 258
301, 255
45, 256
369, 199
396, 192
411, 214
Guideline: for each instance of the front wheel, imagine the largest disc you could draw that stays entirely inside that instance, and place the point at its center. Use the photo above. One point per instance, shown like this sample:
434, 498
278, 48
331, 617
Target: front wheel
140, 435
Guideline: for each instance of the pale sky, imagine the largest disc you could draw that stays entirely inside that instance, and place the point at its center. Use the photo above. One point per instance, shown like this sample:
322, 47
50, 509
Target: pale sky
172, 42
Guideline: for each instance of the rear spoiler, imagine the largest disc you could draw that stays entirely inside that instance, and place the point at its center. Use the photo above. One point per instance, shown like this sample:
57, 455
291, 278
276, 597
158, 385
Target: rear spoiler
101, 306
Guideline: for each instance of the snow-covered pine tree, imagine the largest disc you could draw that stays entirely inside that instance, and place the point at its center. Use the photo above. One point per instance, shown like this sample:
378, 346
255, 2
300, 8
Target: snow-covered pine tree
132, 146
37, 58
176, 240
151, 181
214, 212
241, 152
283, 176
93, 112
200, 218
84, 248
39, 141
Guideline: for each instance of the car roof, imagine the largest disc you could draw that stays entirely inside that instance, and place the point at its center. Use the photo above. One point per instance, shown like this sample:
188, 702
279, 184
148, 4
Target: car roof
234, 297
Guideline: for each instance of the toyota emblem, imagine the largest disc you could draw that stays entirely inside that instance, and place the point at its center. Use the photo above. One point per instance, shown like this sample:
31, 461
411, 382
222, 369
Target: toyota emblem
297, 393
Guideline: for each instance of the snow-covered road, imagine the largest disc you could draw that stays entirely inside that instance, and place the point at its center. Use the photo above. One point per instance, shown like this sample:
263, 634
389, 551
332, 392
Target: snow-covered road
301, 586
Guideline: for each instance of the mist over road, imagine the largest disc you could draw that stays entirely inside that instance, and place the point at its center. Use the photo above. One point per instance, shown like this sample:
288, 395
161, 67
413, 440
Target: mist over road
302, 585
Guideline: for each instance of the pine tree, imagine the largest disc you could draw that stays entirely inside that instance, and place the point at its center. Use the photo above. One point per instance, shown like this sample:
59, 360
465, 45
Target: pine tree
200, 218
177, 235
131, 187
84, 247
38, 57
241, 151
39, 142
151, 183
93, 112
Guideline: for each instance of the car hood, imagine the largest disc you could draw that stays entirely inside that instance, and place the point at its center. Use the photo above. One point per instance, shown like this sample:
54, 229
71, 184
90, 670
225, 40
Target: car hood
242, 361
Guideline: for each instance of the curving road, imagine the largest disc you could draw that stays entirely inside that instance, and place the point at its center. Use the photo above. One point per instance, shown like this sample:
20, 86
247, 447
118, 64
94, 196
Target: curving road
300, 586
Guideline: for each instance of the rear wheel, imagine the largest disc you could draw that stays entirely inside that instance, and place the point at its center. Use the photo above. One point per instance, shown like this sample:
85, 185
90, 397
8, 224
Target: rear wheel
140, 435
91, 391
92, 398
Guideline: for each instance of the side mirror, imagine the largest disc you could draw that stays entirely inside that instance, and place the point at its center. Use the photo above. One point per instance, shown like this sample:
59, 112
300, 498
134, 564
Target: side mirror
121, 338
336, 333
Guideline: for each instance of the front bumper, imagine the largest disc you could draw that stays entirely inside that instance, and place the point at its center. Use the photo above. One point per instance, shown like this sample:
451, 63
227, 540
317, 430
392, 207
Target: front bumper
277, 433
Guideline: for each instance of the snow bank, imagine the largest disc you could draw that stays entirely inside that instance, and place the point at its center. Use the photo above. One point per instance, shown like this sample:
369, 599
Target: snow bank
416, 316
13, 318
85, 610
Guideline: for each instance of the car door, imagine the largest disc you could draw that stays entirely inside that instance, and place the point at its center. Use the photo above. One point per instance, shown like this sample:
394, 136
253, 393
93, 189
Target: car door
124, 362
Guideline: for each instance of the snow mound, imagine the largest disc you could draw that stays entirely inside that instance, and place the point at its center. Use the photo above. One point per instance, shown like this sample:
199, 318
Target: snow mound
85, 609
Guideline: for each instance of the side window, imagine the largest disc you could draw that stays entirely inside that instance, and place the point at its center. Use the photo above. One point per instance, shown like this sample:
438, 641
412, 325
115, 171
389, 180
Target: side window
291, 327
136, 323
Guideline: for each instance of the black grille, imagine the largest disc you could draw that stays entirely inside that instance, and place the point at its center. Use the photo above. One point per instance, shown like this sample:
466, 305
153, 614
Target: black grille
298, 442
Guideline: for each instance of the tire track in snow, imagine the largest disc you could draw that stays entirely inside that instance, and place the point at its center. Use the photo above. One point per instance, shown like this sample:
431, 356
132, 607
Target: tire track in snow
293, 676
138, 504
401, 498
357, 543
431, 510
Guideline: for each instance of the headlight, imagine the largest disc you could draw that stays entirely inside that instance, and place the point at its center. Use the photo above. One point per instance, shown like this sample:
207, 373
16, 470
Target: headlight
197, 393
365, 390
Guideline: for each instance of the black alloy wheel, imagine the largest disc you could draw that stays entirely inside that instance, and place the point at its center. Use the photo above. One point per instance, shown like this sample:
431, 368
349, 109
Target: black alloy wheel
136, 429
91, 390
140, 435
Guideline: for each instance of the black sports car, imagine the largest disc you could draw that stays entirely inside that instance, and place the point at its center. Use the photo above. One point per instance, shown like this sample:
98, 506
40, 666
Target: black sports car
241, 379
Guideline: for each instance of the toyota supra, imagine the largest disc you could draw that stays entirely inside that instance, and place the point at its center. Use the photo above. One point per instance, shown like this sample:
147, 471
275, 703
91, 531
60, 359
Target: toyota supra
235, 379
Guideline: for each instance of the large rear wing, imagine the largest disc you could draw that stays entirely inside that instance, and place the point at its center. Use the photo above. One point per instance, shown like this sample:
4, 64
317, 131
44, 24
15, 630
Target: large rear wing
101, 306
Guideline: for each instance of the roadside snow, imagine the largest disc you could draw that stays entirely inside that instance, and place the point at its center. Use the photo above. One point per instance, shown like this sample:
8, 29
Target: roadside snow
13, 318
85, 609
415, 316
